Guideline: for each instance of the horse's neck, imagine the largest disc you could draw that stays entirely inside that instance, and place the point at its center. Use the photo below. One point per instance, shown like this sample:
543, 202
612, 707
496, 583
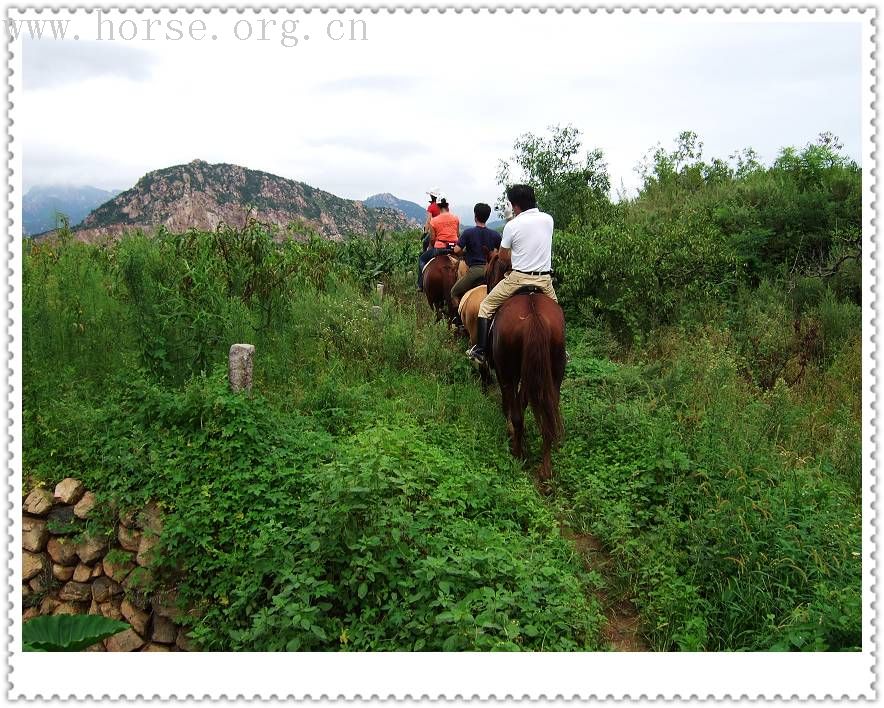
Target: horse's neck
499, 278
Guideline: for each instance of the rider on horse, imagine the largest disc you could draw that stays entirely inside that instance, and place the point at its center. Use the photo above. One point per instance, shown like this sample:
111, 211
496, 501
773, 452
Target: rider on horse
473, 242
527, 241
444, 230
432, 210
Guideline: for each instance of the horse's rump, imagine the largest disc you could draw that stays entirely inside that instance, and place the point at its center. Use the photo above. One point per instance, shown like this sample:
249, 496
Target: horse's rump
453, 261
480, 291
440, 275
529, 355
468, 309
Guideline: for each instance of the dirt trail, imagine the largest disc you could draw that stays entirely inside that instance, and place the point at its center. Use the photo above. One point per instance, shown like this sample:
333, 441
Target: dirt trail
623, 629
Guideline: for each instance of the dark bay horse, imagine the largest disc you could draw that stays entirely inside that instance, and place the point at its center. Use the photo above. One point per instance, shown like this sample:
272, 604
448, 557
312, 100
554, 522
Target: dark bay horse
528, 356
439, 277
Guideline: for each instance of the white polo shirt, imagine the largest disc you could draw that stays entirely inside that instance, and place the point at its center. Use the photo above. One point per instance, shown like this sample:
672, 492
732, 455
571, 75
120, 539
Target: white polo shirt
529, 235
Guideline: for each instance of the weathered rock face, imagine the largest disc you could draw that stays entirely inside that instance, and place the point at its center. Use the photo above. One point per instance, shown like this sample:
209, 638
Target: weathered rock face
69, 491
91, 549
62, 574
164, 631
119, 566
84, 507
127, 640
239, 367
62, 522
103, 589
34, 534
38, 502
31, 564
136, 617
199, 195
183, 642
62, 551
156, 647
48, 605
151, 518
128, 538
111, 610
147, 549
76, 592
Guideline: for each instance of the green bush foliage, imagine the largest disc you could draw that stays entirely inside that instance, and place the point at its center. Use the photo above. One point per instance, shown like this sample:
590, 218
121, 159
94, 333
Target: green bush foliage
363, 497
67, 632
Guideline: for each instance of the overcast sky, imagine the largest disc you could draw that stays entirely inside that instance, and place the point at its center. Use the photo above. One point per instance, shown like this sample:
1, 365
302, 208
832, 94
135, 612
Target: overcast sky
433, 100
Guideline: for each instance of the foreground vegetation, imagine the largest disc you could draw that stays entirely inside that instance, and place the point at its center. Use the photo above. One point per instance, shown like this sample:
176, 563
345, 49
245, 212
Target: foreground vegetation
364, 498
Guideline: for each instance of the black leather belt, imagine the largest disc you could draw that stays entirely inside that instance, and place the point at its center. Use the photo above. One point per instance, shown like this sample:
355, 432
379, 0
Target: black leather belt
534, 272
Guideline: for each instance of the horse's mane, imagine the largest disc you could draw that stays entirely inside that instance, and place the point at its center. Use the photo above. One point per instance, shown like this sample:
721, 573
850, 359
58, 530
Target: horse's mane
496, 269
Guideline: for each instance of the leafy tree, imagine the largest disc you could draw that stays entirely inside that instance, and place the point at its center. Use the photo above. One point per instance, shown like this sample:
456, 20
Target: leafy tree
679, 169
570, 185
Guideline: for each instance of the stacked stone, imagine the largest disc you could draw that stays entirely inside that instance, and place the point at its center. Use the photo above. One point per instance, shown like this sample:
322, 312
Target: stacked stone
92, 576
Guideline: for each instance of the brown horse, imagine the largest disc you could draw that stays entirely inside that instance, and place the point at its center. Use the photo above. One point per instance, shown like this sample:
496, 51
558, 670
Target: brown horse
439, 277
528, 356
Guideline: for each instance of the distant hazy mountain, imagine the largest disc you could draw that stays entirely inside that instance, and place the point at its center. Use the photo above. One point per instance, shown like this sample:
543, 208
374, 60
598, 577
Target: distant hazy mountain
199, 195
387, 200
40, 205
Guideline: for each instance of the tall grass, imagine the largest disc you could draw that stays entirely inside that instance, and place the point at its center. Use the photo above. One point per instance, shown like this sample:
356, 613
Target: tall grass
364, 498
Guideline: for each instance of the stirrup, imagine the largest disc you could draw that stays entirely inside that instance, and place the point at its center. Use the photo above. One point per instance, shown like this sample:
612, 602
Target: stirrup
476, 353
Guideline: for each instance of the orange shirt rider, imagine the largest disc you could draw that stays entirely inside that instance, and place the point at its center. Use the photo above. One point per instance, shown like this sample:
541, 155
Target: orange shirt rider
444, 229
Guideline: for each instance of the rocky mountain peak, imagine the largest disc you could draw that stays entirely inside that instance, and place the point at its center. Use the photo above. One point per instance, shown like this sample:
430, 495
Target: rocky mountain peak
202, 195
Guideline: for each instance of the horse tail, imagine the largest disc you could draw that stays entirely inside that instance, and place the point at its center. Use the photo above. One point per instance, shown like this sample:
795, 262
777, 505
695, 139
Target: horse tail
537, 386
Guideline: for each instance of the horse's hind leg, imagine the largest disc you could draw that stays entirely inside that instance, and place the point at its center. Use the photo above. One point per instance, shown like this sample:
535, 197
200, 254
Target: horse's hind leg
519, 430
513, 413
546, 464
485, 375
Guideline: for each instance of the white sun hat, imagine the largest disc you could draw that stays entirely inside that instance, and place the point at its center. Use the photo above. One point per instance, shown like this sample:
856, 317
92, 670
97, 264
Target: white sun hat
435, 192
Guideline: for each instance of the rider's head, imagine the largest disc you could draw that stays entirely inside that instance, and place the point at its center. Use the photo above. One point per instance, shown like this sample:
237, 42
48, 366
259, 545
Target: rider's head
481, 212
521, 196
443, 204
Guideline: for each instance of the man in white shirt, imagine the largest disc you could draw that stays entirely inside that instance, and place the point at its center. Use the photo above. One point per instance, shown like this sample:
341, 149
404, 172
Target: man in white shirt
527, 241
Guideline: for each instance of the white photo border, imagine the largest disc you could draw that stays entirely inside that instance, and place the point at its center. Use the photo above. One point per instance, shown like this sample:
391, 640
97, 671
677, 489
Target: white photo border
703, 676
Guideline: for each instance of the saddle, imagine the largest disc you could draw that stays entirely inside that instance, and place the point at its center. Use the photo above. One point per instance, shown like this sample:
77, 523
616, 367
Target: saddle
451, 259
527, 290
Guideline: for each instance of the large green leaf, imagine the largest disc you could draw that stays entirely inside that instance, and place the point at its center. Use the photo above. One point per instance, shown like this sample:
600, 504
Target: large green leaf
68, 632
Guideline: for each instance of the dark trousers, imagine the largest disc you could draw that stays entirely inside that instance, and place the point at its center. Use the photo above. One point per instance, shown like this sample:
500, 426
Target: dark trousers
425, 258
473, 277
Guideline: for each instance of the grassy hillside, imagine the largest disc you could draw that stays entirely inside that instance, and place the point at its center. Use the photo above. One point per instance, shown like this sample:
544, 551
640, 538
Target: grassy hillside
364, 498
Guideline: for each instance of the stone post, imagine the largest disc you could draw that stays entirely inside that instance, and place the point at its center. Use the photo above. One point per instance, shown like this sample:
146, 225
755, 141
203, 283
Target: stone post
380, 293
239, 367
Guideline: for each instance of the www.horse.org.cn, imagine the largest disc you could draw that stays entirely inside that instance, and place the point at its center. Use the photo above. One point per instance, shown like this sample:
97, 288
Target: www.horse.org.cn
150, 29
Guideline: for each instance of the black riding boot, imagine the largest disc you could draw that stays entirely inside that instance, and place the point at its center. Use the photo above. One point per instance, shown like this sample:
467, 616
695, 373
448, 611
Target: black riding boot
477, 352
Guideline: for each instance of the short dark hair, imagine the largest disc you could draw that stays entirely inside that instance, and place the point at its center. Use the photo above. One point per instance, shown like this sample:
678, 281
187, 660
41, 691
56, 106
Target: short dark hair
522, 196
443, 203
482, 212
432, 198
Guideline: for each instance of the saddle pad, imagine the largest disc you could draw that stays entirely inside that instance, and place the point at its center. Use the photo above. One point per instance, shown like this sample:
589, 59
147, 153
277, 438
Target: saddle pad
451, 259
468, 294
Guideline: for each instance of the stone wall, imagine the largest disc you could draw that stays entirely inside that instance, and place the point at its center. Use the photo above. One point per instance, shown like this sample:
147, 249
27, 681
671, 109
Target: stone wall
65, 571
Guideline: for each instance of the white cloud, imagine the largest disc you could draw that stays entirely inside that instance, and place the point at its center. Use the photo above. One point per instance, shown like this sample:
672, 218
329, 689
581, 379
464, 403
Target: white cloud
55, 63
435, 99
